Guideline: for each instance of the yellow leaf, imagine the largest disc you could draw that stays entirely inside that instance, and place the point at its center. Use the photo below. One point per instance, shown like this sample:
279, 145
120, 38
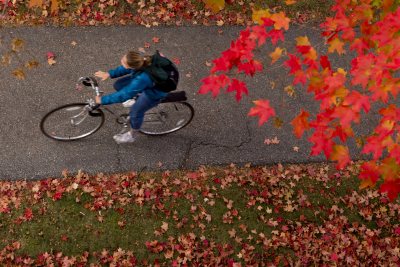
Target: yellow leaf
303, 41
35, 3
19, 73
259, 14
276, 54
215, 5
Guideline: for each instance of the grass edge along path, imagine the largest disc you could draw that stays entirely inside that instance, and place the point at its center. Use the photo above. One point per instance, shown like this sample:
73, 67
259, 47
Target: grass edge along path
226, 216
151, 13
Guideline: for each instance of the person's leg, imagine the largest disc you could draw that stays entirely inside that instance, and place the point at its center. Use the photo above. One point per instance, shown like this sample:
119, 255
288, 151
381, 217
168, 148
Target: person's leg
143, 104
122, 82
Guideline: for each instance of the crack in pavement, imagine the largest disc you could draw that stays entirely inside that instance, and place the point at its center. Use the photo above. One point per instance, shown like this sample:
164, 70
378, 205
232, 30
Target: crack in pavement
194, 145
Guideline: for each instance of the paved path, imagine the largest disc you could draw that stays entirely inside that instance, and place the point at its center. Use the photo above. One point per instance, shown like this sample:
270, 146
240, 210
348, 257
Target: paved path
221, 132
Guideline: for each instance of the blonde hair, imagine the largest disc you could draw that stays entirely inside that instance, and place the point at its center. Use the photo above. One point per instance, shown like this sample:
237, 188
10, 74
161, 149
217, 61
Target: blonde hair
136, 61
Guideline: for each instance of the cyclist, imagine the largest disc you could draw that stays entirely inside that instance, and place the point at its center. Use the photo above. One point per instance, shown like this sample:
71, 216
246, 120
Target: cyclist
137, 83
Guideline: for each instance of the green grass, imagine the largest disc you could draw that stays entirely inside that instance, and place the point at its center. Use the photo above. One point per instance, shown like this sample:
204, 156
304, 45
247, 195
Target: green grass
71, 227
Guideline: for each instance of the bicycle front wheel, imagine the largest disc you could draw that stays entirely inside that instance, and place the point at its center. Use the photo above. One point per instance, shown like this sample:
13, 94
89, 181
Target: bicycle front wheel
71, 122
167, 118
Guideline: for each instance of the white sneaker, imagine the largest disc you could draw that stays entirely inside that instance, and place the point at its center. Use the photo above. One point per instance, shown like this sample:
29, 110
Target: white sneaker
128, 103
124, 138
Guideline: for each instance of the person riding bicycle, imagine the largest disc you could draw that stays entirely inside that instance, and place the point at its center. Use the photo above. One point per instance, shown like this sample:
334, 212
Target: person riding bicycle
138, 83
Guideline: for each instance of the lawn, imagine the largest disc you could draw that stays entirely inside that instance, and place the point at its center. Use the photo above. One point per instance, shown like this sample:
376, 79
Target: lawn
227, 216
151, 13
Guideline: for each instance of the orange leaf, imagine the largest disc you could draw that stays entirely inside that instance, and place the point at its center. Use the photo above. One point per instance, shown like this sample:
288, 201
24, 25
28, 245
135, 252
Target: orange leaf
281, 21
276, 54
336, 45
290, 2
54, 6
366, 183
215, 5
300, 123
340, 154
35, 3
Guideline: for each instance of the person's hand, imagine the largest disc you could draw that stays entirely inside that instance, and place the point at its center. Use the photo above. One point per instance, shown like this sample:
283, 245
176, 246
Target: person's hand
98, 99
103, 75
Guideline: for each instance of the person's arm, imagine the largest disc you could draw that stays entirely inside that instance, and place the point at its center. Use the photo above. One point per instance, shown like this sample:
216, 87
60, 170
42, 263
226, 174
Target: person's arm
114, 73
138, 84
119, 71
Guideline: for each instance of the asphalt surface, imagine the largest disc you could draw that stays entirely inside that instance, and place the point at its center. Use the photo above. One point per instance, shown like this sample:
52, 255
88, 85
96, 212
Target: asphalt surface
220, 133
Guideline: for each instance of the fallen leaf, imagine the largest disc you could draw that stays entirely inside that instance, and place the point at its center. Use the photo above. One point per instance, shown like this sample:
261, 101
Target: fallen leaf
278, 122
290, 90
6, 59
296, 148
273, 141
35, 3
19, 73
17, 44
54, 6
156, 39
208, 64
146, 45
31, 64
73, 43
51, 61
176, 61
164, 226
215, 5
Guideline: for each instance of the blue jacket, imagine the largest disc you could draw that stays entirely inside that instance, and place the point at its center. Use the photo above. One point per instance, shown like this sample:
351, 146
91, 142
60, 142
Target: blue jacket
141, 82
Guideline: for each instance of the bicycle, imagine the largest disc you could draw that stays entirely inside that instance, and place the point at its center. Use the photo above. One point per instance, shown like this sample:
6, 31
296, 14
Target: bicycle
79, 120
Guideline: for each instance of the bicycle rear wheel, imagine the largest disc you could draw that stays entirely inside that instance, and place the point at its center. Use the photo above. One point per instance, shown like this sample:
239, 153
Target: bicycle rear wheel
167, 118
71, 122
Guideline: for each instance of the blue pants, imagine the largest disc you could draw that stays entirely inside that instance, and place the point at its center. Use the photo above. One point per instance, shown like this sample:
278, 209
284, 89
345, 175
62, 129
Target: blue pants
143, 103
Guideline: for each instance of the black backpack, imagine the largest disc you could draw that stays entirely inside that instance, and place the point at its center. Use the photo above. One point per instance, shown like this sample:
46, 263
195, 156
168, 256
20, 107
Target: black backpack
163, 73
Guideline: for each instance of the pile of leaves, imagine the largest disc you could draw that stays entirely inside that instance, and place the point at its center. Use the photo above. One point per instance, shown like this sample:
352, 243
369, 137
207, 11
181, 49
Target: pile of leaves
248, 216
148, 13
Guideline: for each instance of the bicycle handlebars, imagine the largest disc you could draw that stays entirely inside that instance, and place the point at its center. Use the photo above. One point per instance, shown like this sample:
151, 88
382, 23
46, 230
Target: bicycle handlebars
90, 81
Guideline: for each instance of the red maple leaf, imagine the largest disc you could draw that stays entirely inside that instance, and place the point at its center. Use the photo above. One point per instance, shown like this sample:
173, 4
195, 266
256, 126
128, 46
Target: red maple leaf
263, 110
214, 84
370, 171
251, 67
293, 63
240, 88
325, 63
392, 188
276, 35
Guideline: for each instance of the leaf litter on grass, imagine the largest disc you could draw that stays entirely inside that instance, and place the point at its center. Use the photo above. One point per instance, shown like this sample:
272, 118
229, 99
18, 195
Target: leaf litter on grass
281, 215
